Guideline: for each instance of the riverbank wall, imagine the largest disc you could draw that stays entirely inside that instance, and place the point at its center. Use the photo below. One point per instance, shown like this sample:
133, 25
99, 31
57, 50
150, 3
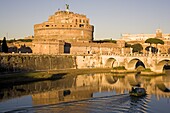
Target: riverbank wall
34, 62
30, 62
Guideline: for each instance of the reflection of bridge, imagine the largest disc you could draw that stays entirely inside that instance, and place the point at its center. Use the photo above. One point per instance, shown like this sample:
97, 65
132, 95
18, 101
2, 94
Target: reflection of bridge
84, 86
155, 62
159, 86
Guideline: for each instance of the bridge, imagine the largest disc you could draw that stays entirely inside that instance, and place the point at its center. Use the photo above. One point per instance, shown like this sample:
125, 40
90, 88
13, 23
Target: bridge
155, 62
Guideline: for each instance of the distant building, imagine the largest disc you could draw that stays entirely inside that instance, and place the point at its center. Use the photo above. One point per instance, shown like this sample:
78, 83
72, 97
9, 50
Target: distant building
141, 38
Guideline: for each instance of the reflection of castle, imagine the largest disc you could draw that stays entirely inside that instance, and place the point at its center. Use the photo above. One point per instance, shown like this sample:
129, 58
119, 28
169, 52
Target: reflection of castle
68, 32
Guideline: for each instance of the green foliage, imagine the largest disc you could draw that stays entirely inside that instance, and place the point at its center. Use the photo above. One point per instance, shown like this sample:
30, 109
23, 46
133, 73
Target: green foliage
22, 40
147, 70
25, 40
137, 47
4, 46
127, 45
153, 49
11, 41
106, 41
119, 68
154, 41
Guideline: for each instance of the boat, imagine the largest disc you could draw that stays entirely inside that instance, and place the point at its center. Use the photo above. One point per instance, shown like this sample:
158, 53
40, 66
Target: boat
137, 92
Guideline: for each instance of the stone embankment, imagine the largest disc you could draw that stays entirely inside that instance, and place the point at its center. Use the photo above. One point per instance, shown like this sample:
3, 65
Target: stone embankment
33, 62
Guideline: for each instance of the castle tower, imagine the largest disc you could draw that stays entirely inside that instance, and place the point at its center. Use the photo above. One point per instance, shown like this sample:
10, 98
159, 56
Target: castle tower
62, 26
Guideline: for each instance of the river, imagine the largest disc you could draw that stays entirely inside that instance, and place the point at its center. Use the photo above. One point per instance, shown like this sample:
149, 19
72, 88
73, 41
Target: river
88, 93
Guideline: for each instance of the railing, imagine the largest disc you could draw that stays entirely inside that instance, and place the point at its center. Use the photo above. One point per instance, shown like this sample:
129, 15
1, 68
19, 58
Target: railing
139, 55
108, 54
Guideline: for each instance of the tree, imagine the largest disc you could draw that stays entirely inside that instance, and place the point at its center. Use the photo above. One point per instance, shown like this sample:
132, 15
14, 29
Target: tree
153, 49
0, 46
154, 41
4, 46
127, 45
137, 47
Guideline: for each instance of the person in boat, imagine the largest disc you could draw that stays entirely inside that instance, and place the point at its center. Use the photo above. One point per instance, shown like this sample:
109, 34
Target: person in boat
133, 89
137, 91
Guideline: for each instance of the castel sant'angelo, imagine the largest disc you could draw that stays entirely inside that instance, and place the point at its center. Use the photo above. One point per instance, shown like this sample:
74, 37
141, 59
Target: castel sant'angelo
66, 32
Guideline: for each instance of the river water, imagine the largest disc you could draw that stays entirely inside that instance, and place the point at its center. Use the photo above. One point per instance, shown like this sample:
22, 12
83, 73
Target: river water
89, 93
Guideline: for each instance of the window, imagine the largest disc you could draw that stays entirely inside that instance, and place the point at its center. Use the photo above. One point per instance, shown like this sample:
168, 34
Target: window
47, 25
81, 25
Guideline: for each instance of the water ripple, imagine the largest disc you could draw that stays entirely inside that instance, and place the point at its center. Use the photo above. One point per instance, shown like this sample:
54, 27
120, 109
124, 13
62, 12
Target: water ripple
110, 104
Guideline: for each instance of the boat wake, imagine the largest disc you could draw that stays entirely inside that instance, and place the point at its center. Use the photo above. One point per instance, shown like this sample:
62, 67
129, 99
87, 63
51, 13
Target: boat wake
110, 104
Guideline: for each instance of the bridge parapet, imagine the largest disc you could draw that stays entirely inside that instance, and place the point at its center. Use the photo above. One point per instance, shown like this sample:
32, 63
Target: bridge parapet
136, 54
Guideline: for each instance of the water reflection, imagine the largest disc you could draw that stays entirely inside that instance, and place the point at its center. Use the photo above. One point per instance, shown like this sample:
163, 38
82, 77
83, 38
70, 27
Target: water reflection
91, 93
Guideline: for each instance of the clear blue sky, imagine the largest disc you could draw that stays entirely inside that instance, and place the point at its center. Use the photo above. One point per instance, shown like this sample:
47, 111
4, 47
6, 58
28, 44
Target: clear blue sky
111, 18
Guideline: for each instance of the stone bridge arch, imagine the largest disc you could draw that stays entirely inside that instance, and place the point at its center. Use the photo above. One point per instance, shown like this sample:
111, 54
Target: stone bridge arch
162, 64
134, 63
111, 62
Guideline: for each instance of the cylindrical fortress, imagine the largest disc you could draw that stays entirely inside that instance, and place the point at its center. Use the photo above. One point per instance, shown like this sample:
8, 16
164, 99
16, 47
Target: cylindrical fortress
65, 25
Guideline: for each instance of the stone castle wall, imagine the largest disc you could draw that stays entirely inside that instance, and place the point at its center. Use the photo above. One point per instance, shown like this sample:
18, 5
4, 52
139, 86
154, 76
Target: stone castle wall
48, 46
94, 48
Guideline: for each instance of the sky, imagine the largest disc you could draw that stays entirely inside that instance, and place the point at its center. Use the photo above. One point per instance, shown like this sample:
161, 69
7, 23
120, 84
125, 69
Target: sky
110, 18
